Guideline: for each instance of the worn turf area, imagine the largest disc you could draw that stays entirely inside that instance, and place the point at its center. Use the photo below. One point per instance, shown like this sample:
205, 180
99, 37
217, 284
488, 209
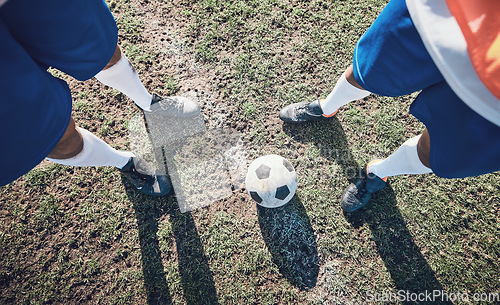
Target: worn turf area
85, 236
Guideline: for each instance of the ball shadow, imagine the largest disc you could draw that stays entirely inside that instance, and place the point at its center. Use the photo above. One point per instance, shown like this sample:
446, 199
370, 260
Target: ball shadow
290, 239
196, 276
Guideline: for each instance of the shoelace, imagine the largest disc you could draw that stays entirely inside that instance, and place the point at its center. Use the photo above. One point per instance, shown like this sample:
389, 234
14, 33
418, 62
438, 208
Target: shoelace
136, 175
168, 103
303, 110
363, 191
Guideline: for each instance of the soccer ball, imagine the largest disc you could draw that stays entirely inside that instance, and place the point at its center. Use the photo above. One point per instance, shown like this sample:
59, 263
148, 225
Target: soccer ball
271, 181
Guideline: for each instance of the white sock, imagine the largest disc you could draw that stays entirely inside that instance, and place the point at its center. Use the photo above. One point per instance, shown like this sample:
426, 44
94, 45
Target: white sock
96, 152
404, 160
123, 77
342, 94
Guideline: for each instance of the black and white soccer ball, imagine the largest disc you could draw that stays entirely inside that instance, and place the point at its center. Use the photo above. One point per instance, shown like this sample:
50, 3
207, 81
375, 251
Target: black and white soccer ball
271, 181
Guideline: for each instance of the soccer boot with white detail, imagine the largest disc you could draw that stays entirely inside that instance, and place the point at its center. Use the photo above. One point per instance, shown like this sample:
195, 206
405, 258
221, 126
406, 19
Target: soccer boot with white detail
304, 112
359, 193
174, 106
146, 178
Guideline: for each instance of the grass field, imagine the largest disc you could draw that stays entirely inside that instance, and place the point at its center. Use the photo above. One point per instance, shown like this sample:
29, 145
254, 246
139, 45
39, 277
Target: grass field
85, 236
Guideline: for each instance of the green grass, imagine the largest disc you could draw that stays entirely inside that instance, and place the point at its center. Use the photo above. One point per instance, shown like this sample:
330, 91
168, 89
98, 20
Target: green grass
81, 235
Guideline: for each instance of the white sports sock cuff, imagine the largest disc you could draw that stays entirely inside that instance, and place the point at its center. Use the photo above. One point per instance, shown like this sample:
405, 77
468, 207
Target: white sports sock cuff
404, 160
342, 94
96, 152
115, 70
123, 77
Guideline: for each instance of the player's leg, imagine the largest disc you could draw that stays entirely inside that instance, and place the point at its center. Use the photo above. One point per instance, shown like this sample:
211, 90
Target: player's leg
345, 91
387, 61
349, 75
424, 148
89, 49
409, 158
456, 143
45, 109
79, 147
38, 121
120, 74
70, 145
390, 59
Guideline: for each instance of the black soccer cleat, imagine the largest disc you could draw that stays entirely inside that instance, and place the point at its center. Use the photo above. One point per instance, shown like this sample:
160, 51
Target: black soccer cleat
146, 178
174, 106
357, 194
304, 112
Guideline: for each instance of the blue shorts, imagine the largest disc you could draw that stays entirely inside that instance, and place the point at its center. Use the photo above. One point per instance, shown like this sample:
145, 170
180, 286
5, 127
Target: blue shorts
390, 59
76, 37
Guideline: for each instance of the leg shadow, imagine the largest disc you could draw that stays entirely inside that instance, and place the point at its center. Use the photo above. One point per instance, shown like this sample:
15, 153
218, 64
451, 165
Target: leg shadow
196, 277
402, 257
289, 236
329, 137
155, 282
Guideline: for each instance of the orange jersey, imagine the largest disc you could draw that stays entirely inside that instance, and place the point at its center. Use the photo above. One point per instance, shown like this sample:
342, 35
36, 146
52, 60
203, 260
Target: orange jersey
479, 21
463, 39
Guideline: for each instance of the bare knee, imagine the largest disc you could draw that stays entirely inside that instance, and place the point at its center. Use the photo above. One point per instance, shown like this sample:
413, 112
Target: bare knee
349, 75
424, 148
116, 57
70, 145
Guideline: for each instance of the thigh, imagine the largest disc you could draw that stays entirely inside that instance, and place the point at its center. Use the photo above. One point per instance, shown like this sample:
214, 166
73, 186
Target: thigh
390, 58
36, 108
462, 143
77, 37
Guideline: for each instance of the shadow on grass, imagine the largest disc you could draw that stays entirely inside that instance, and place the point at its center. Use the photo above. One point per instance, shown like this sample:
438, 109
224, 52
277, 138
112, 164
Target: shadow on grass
402, 257
408, 268
196, 277
289, 236
329, 137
